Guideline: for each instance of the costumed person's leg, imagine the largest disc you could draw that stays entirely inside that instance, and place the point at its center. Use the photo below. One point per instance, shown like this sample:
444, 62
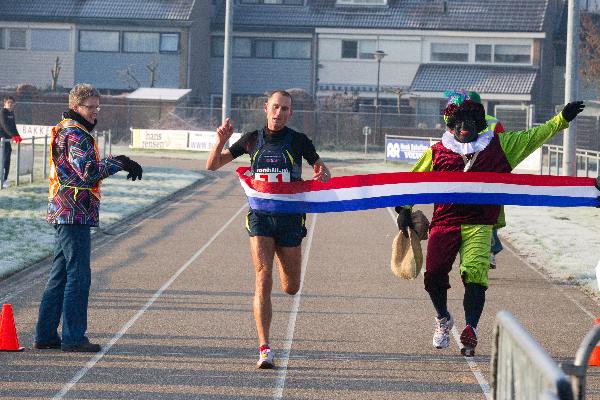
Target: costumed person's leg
442, 247
496, 244
474, 265
7, 154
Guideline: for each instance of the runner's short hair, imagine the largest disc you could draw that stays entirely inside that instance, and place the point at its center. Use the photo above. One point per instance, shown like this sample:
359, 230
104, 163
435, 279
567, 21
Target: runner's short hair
7, 98
80, 92
281, 92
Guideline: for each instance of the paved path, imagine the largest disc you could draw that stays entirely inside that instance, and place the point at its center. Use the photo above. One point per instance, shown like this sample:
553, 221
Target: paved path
172, 297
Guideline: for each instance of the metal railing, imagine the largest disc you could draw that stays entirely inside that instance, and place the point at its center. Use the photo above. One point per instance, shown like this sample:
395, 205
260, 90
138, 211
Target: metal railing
521, 369
588, 162
30, 157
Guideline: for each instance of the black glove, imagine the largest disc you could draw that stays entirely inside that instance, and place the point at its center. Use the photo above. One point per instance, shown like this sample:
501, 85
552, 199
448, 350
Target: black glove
598, 182
404, 219
571, 110
133, 169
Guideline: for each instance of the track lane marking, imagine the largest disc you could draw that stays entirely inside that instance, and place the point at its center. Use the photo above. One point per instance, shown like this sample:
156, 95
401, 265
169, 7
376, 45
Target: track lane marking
90, 364
483, 383
282, 370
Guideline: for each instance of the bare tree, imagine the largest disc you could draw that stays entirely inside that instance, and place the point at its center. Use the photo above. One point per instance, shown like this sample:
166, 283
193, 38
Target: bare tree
152, 67
55, 72
589, 49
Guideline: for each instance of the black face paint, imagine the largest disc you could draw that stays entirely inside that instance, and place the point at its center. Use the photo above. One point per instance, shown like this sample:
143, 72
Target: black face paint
466, 131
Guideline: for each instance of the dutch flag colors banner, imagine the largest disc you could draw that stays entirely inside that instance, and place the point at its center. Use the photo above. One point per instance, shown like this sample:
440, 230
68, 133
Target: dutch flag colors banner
362, 192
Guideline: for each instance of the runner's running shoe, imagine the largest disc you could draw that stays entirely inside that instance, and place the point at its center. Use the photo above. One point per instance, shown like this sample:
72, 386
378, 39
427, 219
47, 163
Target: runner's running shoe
468, 338
265, 358
441, 336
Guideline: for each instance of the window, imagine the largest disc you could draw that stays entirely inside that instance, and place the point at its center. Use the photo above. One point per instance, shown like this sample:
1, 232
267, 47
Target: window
449, 52
361, 2
99, 41
483, 53
17, 38
50, 39
217, 44
349, 48
242, 47
264, 49
519, 54
140, 42
362, 49
1, 38
169, 42
292, 49
282, 2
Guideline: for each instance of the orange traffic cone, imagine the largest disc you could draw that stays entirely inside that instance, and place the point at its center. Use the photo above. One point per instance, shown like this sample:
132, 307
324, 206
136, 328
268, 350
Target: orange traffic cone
8, 331
594, 360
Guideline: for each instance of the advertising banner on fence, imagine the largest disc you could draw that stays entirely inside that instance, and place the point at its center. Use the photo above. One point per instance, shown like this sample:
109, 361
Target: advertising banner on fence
28, 131
204, 140
175, 139
405, 150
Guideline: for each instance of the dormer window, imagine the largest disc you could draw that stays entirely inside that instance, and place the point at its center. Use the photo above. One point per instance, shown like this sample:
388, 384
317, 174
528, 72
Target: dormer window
361, 3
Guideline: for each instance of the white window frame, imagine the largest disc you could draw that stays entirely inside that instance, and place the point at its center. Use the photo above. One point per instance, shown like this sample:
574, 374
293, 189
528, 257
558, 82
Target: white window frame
359, 45
118, 50
433, 44
8, 38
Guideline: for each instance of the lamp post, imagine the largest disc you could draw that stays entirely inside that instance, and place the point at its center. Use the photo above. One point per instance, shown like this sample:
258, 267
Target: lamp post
378, 55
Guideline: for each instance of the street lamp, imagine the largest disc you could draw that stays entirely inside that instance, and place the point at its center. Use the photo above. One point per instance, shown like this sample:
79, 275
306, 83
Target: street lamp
378, 55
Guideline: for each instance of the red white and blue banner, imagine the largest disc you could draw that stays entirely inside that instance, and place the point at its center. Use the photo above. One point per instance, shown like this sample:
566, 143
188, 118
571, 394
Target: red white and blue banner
363, 192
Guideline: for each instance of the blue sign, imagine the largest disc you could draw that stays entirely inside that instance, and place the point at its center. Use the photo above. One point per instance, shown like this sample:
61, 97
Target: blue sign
405, 150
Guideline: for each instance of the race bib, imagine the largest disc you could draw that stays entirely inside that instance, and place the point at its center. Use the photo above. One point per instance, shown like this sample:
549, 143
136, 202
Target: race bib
283, 176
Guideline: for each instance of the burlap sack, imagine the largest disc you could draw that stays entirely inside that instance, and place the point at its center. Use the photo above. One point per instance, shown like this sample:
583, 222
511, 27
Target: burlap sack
407, 255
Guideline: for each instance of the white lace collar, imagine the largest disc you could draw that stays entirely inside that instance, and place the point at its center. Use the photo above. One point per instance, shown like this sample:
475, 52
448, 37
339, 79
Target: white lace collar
481, 143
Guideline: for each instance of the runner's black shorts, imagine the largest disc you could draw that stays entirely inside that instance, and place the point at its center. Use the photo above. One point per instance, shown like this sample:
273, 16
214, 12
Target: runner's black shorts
288, 230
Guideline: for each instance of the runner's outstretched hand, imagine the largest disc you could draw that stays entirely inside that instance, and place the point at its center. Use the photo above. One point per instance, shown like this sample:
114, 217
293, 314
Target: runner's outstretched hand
225, 131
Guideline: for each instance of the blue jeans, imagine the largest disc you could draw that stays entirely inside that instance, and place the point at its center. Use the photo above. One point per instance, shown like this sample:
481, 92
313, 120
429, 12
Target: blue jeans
496, 243
68, 288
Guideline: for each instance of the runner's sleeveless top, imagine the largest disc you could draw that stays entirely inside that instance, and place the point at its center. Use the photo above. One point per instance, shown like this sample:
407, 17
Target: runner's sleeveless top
273, 162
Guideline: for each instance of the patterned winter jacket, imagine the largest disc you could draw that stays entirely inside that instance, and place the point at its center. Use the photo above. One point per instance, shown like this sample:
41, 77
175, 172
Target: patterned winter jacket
78, 168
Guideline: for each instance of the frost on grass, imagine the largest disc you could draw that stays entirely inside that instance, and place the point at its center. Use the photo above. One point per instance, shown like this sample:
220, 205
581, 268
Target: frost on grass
25, 237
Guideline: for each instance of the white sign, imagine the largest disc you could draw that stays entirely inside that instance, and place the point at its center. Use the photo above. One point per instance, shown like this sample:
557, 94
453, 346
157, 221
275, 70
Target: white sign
176, 139
28, 131
367, 130
205, 140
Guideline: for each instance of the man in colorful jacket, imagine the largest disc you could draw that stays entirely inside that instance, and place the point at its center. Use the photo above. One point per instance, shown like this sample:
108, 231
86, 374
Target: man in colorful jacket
76, 172
466, 229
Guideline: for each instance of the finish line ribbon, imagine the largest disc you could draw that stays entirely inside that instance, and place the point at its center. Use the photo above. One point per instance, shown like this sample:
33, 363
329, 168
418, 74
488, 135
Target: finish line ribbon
363, 192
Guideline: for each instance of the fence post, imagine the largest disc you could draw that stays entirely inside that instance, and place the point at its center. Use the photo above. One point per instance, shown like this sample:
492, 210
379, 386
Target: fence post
1, 163
32, 159
109, 141
18, 162
45, 157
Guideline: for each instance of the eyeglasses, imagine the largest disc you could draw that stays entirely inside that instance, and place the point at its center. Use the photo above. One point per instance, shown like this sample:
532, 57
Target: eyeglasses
90, 107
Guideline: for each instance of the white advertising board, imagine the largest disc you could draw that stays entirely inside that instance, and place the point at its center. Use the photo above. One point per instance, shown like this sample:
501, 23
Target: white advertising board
175, 139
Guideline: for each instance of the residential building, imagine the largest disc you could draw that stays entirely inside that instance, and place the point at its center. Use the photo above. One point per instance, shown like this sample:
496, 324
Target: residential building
500, 48
114, 45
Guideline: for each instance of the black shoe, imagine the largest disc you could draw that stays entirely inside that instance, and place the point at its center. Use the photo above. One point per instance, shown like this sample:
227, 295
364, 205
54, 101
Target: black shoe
46, 346
83, 348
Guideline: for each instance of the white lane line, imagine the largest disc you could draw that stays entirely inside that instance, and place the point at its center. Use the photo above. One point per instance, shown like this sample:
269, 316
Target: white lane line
282, 370
483, 383
554, 286
90, 364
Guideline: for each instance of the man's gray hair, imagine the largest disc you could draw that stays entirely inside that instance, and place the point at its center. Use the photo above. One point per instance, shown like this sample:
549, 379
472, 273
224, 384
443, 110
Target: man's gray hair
80, 92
